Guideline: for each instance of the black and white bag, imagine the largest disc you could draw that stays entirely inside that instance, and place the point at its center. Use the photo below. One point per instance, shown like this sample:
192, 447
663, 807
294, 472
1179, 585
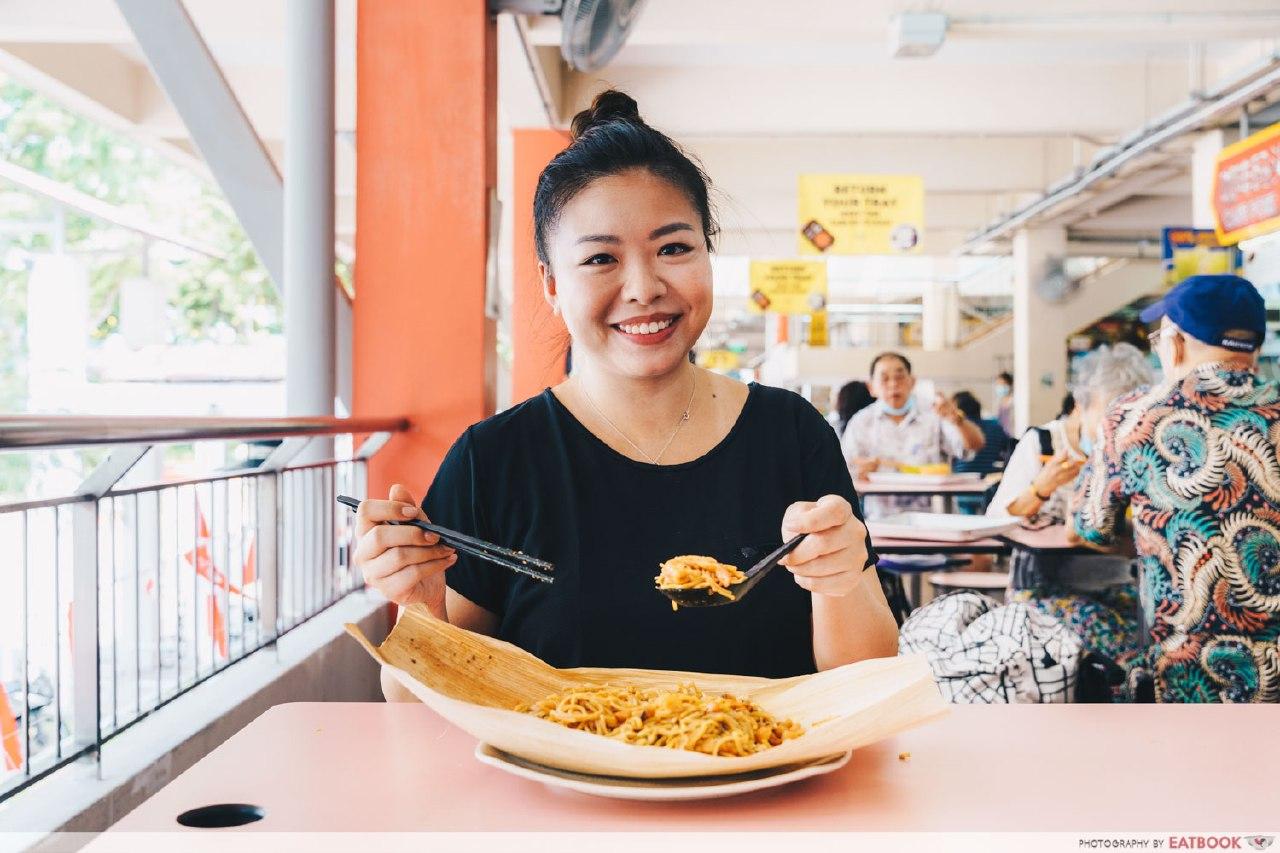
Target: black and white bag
984, 652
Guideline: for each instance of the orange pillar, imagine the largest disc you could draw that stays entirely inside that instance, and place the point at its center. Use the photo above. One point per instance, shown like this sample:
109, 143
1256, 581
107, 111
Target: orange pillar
539, 338
426, 119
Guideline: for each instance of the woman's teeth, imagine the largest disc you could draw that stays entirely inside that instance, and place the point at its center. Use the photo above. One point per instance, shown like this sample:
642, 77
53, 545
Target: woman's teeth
646, 328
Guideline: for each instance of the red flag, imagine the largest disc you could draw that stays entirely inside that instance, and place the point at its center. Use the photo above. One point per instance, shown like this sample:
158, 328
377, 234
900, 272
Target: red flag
9, 733
249, 574
202, 558
217, 625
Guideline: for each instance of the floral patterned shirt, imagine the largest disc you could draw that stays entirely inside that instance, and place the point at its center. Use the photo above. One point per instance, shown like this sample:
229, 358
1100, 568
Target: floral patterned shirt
1196, 462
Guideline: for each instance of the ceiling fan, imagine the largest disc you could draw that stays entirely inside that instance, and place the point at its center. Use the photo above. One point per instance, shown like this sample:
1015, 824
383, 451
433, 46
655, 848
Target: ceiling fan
591, 31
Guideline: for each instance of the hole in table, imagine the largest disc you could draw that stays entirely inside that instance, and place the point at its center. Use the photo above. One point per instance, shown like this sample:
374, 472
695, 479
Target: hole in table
222, 815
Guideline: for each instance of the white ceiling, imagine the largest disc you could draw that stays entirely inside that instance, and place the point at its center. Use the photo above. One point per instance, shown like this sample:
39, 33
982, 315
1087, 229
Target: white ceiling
1019, 95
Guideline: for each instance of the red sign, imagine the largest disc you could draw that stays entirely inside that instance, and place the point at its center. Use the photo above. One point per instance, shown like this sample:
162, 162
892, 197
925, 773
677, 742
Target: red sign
1246, 187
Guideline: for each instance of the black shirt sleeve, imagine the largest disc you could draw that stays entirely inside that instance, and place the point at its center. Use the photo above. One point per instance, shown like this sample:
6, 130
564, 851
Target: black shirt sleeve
454, 501
826, 472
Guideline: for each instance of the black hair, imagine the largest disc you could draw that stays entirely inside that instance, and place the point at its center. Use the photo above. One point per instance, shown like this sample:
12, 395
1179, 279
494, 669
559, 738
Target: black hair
852, 398
899, 356
967, 403
609, 137
1068, 405
1006, 377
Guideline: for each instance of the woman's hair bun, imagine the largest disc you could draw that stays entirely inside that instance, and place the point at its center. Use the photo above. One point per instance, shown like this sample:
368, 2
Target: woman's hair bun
609, 105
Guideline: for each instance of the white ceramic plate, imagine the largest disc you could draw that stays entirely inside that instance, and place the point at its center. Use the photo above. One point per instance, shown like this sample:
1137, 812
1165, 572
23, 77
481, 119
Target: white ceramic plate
897, 478
664, 790
940, 527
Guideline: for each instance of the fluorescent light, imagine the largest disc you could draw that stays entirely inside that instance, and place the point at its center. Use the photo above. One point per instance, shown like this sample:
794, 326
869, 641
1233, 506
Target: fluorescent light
875, 308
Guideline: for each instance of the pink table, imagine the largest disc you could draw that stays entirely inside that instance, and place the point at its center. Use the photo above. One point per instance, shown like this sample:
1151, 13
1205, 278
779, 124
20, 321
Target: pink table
1052, 538
362, 767
866, 487
891, 545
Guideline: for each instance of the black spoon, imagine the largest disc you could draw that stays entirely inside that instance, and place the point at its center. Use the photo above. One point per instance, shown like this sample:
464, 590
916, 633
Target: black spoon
753, 575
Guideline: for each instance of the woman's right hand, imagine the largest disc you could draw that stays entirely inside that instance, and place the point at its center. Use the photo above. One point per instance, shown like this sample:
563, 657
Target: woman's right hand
403, 562
1056, 473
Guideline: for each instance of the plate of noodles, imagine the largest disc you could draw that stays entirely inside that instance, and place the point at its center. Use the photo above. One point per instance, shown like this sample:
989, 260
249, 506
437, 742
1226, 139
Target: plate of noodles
659, 790
649, 724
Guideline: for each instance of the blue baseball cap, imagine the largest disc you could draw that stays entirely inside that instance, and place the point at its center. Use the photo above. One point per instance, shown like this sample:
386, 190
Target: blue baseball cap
1221, 310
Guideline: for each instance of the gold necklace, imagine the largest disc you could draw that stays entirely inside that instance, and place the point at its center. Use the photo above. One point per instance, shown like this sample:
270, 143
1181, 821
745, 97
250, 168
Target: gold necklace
653, 460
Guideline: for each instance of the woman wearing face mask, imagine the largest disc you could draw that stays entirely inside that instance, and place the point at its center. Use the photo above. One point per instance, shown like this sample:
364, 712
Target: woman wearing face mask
1093, 595
639, 455
1004, 400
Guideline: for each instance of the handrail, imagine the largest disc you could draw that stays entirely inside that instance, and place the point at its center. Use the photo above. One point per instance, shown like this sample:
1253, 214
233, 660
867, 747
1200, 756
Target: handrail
30, 432
1186, 118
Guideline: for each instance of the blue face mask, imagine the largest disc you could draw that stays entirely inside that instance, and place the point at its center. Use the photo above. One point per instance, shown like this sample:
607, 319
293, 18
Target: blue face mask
1086, 444
900, 411
1002, 391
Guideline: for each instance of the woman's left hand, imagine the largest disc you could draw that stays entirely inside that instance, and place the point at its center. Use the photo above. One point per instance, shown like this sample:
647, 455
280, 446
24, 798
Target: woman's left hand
831, 559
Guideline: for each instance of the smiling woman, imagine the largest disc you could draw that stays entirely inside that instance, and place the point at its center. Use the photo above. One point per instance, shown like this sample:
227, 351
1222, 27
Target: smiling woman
640, 455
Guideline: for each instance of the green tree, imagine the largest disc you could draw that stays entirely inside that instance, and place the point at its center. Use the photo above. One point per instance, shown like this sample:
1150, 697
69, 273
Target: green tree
208, 297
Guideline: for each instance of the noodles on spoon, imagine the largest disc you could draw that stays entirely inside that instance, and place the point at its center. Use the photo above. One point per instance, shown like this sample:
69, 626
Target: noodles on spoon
693, 572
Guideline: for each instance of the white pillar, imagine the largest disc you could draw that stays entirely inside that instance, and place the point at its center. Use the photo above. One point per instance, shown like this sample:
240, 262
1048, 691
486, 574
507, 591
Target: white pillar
1203, 153
940, 319
310, 382
933, 318
1039, 334
57, 332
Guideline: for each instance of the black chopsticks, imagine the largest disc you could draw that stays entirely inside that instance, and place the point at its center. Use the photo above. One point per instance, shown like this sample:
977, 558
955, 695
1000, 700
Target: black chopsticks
514, 560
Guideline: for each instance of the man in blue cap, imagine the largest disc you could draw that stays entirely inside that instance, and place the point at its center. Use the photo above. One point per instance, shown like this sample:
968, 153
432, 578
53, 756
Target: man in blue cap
1195, 459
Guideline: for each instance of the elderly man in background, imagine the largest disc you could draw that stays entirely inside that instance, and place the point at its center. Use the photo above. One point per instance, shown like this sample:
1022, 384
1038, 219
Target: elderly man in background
1195, 459
894, 430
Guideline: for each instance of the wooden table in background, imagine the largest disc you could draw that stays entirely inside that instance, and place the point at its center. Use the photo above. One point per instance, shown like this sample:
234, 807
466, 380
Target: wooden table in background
945, 495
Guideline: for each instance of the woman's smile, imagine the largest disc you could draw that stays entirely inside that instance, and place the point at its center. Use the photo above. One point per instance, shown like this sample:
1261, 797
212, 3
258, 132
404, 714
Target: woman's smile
649, 330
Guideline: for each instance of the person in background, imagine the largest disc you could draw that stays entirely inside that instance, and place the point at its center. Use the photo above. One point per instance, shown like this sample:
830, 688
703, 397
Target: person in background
995, 439
896, 431
852, 398
1068, 405
1093, 595
1195, 460
1004, 400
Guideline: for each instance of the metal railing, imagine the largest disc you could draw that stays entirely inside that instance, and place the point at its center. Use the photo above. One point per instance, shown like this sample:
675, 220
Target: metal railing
124, 598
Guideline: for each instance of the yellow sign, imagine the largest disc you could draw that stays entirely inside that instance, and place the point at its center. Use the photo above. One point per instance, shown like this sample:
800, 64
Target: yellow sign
788, 287
818, 328
719, 359
1196, 251
861, 214
1246, 187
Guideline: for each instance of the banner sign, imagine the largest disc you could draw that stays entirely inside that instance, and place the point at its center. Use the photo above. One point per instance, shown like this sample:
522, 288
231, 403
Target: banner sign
1246, 187
1196, 251
788, 287
861, 214
719, 359
818, 328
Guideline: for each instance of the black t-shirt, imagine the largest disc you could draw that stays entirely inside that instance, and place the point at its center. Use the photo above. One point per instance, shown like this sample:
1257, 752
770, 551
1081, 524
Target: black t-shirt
535, 479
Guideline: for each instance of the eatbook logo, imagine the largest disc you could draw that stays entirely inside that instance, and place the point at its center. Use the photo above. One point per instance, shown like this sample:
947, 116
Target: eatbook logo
1261, 842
